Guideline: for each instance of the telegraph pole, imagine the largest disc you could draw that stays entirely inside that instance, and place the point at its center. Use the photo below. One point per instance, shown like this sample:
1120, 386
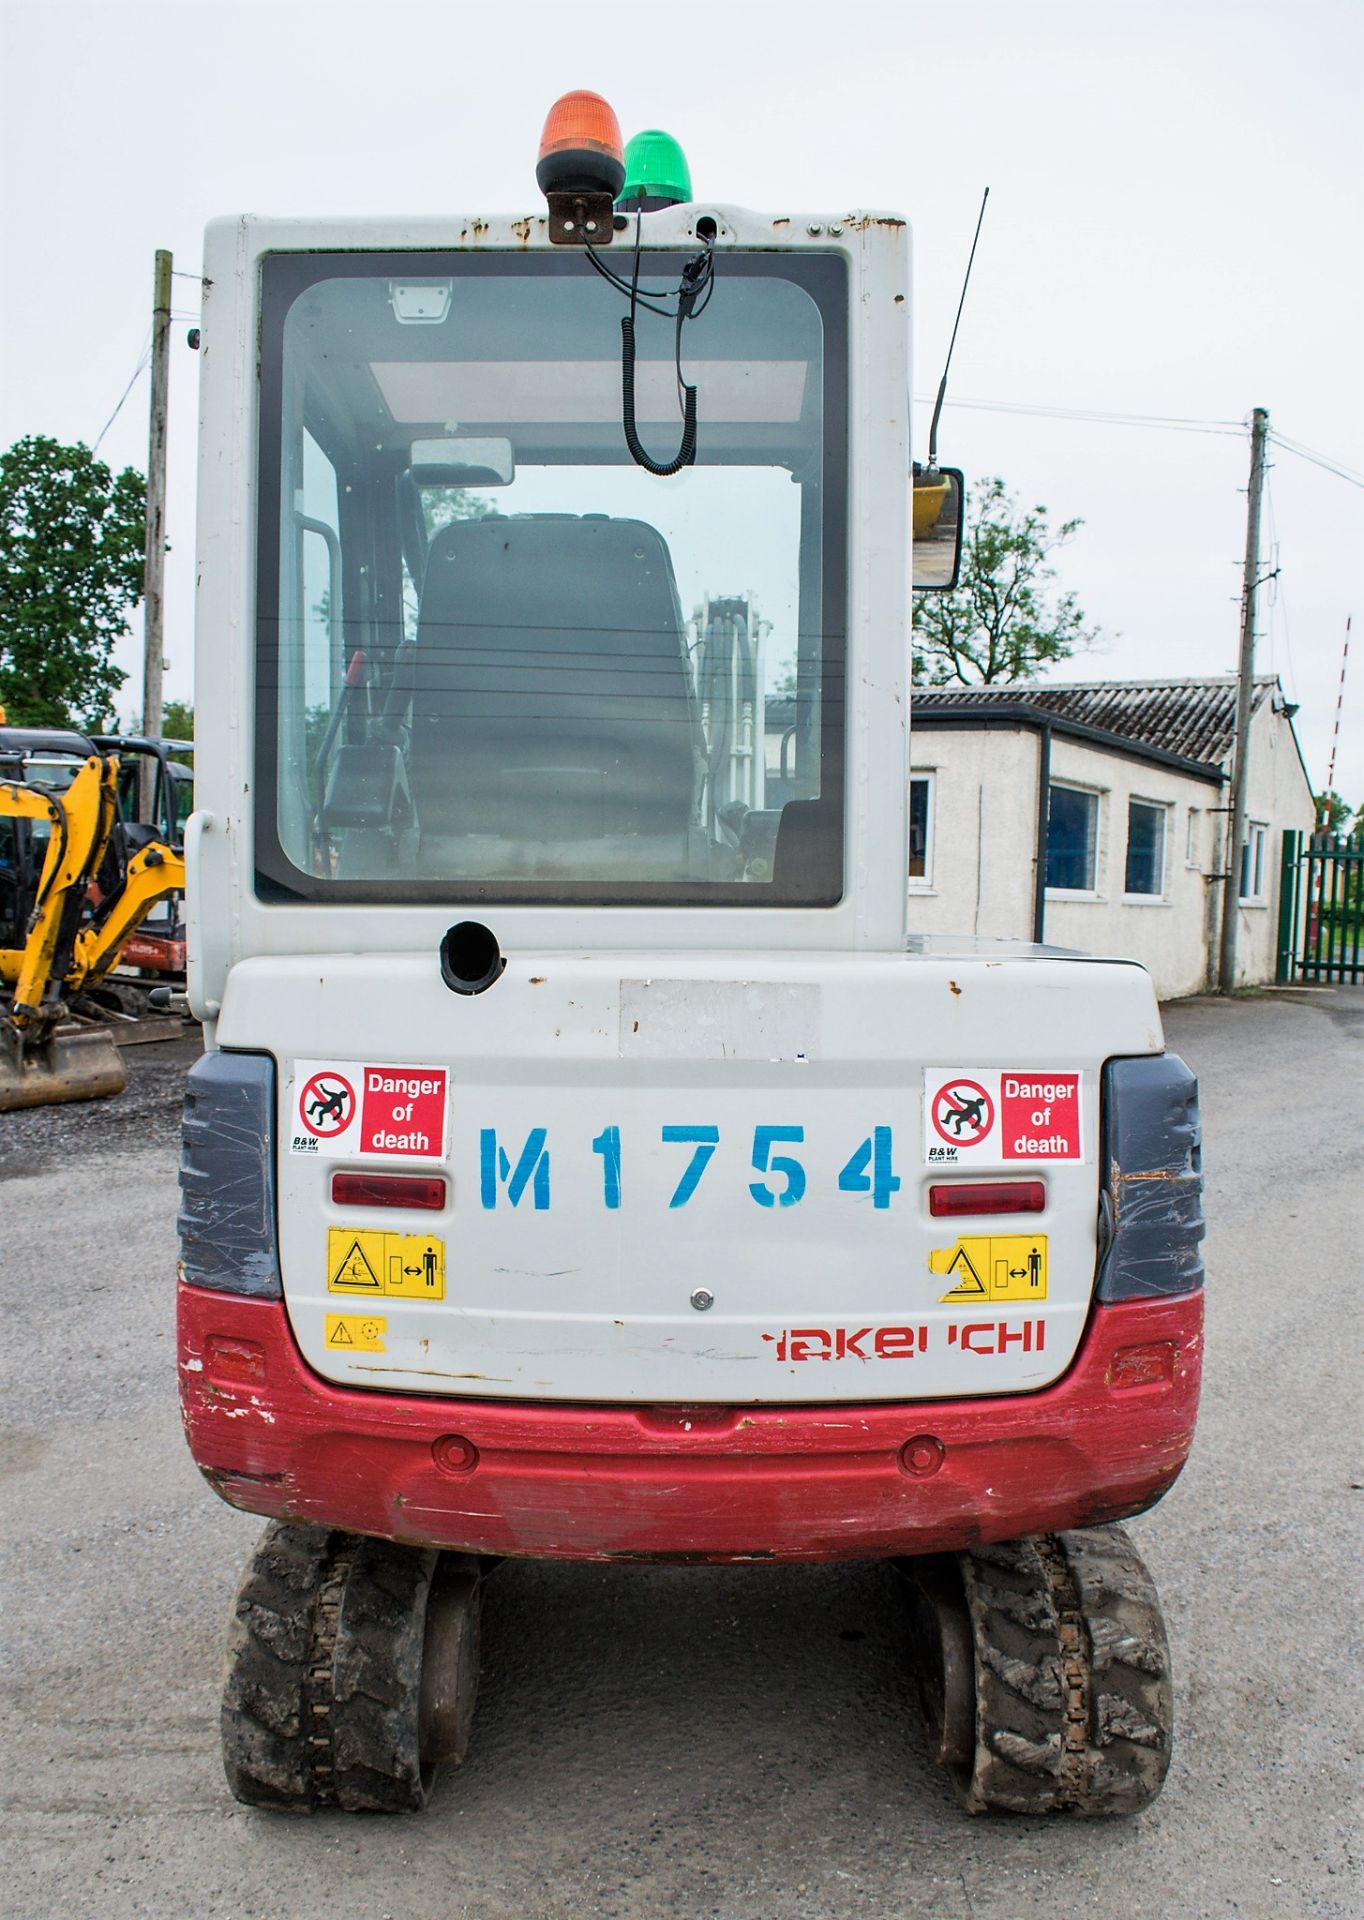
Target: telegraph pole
154, 579
1231, 882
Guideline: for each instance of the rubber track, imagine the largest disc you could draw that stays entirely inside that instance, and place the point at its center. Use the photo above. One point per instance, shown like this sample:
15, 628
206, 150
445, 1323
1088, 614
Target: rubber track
376, 1681
267, 1722
1073, 1694
320, 1701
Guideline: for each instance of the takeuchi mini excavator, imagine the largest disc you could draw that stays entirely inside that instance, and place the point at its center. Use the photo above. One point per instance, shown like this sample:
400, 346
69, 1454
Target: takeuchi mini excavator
589, 1161
76, 882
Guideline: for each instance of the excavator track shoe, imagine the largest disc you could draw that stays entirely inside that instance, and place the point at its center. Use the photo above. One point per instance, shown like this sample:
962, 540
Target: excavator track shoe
352, 1670
1044, 1673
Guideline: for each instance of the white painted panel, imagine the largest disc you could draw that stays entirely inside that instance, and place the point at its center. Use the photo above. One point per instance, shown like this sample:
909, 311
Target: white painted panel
574, 1242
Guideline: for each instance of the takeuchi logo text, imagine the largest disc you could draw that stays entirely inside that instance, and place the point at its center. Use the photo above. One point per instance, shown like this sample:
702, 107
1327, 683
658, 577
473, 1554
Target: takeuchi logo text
980, 1337
849, 1343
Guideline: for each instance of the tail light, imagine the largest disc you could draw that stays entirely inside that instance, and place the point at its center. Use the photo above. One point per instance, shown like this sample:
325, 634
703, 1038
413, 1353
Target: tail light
987, 1196
424, 1191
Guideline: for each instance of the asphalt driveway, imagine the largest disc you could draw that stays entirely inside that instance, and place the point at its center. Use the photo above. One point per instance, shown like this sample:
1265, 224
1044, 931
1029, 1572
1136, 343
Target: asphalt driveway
739, 1742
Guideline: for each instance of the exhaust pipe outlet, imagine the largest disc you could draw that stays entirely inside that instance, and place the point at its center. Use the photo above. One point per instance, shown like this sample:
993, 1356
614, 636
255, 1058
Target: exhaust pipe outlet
470, 958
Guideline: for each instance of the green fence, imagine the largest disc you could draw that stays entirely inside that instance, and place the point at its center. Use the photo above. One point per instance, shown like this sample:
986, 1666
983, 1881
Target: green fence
1321, 909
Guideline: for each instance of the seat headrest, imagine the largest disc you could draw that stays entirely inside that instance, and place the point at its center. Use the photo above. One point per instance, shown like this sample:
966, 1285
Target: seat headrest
563, 576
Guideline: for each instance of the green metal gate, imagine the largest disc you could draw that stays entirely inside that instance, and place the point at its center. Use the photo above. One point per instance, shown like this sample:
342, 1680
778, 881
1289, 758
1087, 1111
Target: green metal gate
1321, 909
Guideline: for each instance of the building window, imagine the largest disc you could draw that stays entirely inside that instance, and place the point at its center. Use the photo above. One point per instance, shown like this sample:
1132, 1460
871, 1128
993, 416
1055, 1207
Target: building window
1253, 861
921, 828
1145, 848
1191, 838
1072, 839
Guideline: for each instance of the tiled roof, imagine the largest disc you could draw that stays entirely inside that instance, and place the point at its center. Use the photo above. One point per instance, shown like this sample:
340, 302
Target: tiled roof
1191, 718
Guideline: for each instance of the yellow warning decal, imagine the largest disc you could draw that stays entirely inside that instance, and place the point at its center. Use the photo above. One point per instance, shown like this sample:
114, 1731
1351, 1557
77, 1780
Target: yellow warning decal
355, 1333
408, 1265
1010, 1266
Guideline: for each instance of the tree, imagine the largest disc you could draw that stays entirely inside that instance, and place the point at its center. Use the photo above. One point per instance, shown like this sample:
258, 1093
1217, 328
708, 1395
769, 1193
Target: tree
442, 505
1002, 621
1332, 813
177, 723
71, 562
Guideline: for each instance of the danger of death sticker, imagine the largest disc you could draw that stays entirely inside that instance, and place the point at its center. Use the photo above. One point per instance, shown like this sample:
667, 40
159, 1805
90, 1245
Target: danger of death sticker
392, 1112
995, 1117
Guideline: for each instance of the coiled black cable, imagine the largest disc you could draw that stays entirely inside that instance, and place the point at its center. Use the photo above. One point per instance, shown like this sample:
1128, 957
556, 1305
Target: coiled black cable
692, 296
686, 452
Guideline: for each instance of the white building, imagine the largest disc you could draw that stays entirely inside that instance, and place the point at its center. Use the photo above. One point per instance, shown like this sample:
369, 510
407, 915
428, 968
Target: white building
1095, 817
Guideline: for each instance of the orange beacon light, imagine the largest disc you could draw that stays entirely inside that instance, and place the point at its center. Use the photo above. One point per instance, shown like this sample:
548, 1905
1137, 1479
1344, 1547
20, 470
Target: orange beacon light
581, 150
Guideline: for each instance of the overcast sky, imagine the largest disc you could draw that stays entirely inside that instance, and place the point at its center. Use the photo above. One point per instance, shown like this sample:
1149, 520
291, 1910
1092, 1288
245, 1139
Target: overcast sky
1173, 230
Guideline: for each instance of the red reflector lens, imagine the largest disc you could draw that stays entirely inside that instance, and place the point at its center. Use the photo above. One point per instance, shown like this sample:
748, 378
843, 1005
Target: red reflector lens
1143, 1366
988, 1196
425, 1190
229, 1359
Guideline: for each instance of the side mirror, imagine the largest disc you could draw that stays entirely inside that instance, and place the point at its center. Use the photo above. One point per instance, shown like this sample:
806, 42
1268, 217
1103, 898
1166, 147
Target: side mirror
939, 519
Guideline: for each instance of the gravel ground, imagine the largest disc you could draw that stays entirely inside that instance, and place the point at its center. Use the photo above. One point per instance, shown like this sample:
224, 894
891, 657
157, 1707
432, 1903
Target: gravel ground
145, 1115
738, 1743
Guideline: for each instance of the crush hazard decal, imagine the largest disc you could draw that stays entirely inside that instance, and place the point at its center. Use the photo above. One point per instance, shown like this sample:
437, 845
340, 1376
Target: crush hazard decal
394, 1112
995, 1117
998, 1266
367, 1260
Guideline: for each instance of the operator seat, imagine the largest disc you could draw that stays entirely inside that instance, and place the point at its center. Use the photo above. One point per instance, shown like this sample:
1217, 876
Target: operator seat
554, 726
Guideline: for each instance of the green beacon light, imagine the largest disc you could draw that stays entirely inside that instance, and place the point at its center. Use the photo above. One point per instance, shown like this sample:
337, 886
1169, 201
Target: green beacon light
656, 173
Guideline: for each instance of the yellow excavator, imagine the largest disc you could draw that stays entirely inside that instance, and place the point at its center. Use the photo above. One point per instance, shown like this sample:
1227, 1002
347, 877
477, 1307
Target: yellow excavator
74, 885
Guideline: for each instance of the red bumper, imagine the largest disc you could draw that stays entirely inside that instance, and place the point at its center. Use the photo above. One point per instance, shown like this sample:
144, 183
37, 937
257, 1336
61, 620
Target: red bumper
560, 1481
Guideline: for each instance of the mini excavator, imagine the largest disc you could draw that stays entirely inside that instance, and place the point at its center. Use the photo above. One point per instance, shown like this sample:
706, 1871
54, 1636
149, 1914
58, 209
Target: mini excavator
591, 1159
75, 884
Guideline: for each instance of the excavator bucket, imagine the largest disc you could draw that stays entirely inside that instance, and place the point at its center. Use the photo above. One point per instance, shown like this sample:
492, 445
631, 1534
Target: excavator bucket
75, 1062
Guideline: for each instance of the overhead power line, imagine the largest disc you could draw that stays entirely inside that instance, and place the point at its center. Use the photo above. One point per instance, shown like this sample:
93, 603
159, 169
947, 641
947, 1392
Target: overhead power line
1317, 459
143, 358
1170, 422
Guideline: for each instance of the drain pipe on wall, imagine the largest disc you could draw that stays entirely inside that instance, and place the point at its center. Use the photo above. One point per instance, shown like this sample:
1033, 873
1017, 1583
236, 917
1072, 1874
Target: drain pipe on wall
1039, 893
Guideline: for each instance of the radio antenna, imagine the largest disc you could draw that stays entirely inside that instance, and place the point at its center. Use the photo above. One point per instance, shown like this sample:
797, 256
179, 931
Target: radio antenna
942, 384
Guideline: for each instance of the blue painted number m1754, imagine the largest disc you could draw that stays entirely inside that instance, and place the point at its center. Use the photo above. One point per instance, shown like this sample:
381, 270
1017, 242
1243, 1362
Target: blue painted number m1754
781, 1180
